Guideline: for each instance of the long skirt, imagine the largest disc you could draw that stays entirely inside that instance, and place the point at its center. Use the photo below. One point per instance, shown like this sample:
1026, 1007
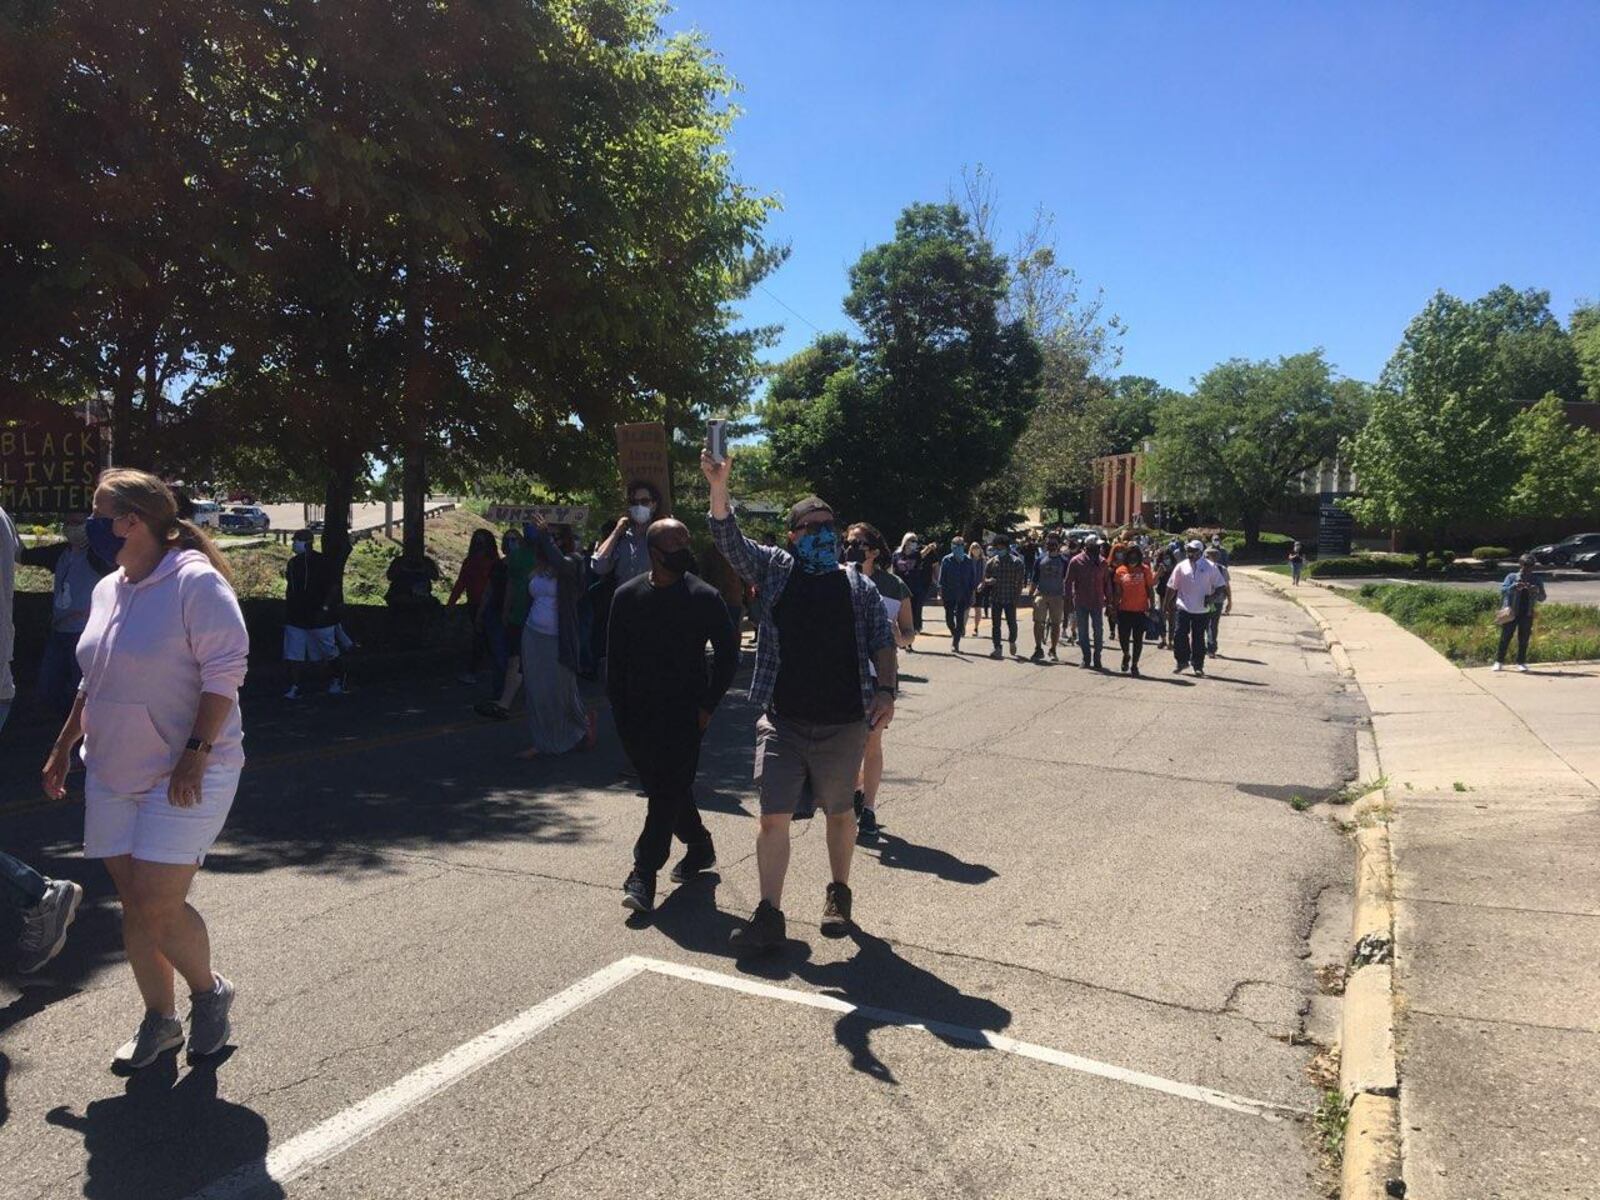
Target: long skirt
556, 717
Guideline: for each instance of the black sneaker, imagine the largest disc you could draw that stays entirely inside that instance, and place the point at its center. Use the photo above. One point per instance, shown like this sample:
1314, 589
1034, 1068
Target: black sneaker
867, 822
1125, 664
995, 653
1199, 670
1097, 665
1036, 656
1054, 657
1180, 668
701, 856
763, 932
1134, 670
836, 911
639, 891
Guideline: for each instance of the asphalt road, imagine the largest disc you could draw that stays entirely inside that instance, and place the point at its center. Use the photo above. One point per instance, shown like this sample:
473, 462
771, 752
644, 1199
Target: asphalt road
1104, 875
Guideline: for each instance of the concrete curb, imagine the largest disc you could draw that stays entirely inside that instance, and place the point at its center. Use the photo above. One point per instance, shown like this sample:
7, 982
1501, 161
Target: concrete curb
1369, 1076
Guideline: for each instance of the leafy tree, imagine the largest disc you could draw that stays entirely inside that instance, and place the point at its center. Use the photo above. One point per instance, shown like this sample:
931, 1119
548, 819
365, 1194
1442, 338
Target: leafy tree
1584, 328
1506, 342
1560, 463
1437, 451
902, 426
1249, 434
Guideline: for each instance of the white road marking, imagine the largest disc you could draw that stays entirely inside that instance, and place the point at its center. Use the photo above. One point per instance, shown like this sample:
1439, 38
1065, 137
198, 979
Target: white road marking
980, 1037
347, 1129
361, 1120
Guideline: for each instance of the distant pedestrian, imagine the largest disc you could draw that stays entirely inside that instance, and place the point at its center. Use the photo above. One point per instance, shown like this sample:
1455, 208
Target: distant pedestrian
503, 615
310, 616
1521, 592
1189, 589
1297, 562
1223, 558
958, 580
1089, 593
1005, 575
980, 591
825, 678
472, 581
557, 720
865, 546
1049, 598
662, 699
914, 564
163, 655
1135, 587
47, 906
76, 570
1220, 602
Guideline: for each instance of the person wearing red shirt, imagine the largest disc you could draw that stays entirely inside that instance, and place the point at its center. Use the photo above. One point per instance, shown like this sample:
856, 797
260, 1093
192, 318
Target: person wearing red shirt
472, 581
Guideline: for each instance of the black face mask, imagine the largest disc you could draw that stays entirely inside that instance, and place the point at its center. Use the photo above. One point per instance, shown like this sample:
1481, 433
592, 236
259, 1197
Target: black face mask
681, 561
855, 554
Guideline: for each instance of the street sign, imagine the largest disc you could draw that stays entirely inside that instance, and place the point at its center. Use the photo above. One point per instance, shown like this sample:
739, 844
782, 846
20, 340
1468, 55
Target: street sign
1335, 527
48, 467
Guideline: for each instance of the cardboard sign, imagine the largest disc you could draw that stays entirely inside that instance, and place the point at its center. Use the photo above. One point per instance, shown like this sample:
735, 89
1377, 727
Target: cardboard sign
48, 467
642, 455
517, 515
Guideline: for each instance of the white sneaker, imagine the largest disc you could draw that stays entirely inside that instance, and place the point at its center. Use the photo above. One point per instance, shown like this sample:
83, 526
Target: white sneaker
293, 693
1523, 667
1498, 667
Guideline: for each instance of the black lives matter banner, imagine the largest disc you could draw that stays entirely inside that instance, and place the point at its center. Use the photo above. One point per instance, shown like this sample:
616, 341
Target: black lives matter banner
48, 468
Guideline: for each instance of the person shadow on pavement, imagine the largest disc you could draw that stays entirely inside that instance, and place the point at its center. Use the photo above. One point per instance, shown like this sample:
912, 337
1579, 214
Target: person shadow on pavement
167, 1136
32, 1001
930, 860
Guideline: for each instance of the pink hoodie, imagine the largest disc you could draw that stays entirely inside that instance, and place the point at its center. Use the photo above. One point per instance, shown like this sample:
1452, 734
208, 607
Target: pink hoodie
149, 650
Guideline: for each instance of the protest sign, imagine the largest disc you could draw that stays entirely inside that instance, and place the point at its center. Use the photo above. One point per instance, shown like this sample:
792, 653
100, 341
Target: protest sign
517, 515
48, 467
642, 456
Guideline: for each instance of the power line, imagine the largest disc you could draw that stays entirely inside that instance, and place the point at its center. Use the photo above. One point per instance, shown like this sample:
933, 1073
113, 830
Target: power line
779, 299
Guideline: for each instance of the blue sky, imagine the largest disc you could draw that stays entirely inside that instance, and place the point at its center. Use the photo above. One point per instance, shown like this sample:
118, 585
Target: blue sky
1241, 179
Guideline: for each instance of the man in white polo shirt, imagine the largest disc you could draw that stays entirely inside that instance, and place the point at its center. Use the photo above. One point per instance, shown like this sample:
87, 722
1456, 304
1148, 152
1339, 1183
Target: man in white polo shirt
1189, 589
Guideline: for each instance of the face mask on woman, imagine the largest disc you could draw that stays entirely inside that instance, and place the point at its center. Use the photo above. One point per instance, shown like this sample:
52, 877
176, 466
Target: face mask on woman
299, 547
639, 513
102, 540
817, 550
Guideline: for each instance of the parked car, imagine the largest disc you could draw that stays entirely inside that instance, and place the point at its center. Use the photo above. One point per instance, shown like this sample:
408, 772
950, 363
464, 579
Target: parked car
207, 514
1566, 551
245, 518
1588, 560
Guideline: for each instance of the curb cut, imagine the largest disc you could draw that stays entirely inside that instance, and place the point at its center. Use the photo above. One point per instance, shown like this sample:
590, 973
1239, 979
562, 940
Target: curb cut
1369, 1077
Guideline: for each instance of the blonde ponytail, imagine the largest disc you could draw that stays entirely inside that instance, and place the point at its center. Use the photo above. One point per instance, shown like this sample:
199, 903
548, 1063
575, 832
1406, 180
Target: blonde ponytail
152, 501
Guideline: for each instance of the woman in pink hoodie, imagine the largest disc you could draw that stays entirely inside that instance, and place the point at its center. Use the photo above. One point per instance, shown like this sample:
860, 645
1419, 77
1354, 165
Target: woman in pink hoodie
163, 656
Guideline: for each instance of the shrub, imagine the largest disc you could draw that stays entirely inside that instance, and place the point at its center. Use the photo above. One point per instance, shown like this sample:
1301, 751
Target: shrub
1334, 568
1490, 553
1460, 624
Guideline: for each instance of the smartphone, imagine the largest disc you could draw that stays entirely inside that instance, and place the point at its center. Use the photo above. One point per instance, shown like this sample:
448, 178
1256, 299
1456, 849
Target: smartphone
717, 440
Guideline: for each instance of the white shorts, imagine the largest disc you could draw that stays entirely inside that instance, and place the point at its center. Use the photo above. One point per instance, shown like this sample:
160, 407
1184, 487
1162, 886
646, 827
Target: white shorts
310, 645
151, 828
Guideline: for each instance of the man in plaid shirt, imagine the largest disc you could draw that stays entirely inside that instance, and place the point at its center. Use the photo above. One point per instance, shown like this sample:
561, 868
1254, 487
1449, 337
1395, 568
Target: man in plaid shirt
1004, 576
825, 675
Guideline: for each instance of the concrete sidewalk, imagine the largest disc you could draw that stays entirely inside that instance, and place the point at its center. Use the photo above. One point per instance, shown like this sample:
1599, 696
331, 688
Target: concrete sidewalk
1494, 781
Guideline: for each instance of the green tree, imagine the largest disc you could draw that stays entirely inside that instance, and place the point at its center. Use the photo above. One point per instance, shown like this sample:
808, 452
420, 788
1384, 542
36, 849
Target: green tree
1584, 328
1437, 451
1560, 464
1249, 434
902, 427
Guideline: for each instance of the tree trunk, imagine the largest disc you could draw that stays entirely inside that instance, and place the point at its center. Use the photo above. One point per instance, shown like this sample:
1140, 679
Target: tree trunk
414, 477
343, 467
1251, 523
414, 494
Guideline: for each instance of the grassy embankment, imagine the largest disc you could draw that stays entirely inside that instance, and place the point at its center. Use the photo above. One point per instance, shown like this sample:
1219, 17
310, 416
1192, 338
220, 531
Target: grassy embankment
1460, 623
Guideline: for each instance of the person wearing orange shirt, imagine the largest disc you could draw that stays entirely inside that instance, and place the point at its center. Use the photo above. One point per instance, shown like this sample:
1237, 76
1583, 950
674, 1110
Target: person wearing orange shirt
1135, 590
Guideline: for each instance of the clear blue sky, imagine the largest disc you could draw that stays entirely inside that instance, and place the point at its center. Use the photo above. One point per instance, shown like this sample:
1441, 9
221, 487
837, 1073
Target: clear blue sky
1241, 179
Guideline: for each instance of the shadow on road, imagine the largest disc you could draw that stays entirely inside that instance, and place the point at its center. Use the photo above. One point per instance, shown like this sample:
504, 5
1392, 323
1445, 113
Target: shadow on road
930, 860
31, 1002
874, 978
166, 1136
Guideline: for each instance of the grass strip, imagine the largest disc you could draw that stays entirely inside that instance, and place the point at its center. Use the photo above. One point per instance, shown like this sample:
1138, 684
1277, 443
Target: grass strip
1459, 623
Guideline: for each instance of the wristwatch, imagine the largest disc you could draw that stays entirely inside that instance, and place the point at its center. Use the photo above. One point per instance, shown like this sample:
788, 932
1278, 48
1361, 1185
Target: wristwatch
884, 688
197, 744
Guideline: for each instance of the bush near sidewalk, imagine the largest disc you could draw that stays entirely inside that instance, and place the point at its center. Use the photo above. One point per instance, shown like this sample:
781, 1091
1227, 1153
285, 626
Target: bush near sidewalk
1460, 624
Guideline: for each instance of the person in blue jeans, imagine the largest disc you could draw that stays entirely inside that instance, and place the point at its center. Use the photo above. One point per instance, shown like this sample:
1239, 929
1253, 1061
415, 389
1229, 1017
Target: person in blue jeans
48, 906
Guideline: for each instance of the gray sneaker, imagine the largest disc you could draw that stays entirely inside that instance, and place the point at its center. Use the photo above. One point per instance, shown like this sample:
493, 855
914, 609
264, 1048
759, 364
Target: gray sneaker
157, 1034
45, 925
208, 1019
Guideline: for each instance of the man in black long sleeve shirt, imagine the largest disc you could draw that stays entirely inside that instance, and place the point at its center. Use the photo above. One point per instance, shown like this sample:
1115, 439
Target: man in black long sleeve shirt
662, 699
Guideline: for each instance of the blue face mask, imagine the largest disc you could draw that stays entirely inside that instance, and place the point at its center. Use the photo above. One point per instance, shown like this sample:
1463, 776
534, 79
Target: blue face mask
102, 540
817, 551
959, 551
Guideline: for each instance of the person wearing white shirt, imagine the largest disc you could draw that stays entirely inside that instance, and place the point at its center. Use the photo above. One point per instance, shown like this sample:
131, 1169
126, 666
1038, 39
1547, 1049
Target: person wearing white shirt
1189, 589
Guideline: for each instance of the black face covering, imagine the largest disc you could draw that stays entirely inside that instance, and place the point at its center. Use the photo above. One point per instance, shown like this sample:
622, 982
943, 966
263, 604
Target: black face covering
681, 561
855, 554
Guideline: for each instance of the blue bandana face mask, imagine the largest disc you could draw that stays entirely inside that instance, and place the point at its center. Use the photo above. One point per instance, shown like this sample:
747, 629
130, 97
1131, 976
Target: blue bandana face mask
817, 550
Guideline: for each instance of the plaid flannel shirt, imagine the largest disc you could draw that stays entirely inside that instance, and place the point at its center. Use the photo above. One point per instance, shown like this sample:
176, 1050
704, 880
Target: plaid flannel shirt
768, 568
1005, 574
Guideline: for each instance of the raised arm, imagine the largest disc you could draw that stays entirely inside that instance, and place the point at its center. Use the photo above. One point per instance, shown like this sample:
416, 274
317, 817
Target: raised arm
755, 563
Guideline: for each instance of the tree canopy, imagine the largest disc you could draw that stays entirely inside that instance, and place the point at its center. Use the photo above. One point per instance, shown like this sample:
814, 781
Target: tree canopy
1249, 433
901, 426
